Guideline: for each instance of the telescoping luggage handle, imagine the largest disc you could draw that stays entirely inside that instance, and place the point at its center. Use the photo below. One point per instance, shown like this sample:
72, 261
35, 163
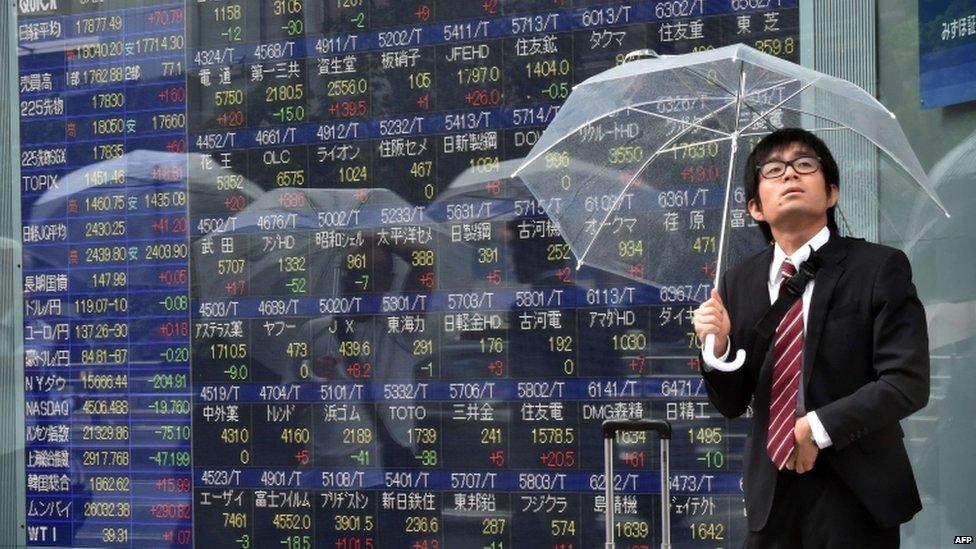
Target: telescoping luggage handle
610, 428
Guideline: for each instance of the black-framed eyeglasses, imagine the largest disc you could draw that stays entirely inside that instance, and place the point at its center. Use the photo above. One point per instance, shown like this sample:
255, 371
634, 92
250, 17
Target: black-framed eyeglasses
802, 165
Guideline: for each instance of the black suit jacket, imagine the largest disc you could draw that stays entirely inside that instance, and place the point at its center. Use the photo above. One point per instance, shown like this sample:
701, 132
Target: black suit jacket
865, 367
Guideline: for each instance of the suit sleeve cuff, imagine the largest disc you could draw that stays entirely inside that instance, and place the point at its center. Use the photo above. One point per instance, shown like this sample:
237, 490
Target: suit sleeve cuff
820, 435
723, 358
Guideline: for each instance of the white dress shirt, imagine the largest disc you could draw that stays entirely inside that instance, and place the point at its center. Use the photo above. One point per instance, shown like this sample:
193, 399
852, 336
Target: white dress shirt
820, 435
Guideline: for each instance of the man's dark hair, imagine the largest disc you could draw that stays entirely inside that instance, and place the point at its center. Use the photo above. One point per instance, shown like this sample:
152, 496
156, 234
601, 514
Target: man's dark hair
778, 140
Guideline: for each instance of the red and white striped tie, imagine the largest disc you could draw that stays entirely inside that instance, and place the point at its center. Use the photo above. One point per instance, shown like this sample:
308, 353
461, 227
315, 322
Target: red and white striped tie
787, 365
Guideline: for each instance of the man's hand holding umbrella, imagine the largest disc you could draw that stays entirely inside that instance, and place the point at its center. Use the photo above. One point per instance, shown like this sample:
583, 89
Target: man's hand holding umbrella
712, 318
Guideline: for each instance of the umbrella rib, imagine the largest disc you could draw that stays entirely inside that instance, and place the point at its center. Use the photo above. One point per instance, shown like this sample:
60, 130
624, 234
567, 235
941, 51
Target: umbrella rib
883, 149
774, 86
757, 134
568, 134
714, 82
780, 104
637, 174
680, 121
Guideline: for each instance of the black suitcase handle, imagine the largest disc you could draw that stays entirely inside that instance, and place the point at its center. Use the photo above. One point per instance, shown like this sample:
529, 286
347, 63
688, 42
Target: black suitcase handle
612, 426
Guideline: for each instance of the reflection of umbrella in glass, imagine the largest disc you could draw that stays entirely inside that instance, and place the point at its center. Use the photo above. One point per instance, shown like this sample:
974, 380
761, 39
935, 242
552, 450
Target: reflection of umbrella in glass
330, 223
646, 160
135, 170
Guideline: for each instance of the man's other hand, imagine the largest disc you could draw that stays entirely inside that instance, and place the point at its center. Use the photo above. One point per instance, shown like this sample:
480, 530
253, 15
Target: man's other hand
711, 318
805, 450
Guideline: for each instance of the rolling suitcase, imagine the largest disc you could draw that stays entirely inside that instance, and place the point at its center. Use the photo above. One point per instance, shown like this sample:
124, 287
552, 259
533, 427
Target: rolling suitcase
610, 428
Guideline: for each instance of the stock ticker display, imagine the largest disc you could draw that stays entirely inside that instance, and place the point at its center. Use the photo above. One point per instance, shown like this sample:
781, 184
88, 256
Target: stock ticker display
278, 291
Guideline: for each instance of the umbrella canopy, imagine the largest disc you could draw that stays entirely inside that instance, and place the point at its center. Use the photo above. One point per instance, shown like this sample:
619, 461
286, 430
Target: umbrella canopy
645, 161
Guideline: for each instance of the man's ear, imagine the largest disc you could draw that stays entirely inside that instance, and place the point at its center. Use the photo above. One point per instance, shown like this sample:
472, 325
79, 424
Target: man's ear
833, 197
756, 210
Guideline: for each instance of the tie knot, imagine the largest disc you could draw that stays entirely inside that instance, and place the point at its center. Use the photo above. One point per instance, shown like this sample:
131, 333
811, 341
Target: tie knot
787, 269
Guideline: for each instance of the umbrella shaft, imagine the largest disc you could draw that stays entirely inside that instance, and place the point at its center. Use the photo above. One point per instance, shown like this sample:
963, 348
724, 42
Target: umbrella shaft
725, 208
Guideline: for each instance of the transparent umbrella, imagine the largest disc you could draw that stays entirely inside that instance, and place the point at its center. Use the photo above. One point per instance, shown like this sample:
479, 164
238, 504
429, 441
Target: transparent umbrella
645, 162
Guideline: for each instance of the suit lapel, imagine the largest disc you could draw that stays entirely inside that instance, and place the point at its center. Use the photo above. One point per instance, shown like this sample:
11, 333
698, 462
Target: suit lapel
757, 283
833, 254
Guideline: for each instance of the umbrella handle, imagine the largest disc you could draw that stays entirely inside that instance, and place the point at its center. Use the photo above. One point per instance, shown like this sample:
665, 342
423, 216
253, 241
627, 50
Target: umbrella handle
708, 355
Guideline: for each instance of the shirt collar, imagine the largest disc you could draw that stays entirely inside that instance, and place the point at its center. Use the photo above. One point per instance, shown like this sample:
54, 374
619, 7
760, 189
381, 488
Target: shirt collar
799, 256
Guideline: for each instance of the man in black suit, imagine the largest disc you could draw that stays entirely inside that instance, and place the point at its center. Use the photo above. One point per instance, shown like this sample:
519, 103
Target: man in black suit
825, 464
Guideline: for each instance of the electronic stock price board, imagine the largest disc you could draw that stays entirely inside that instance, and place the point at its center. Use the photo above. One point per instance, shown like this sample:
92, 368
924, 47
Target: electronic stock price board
263, 307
